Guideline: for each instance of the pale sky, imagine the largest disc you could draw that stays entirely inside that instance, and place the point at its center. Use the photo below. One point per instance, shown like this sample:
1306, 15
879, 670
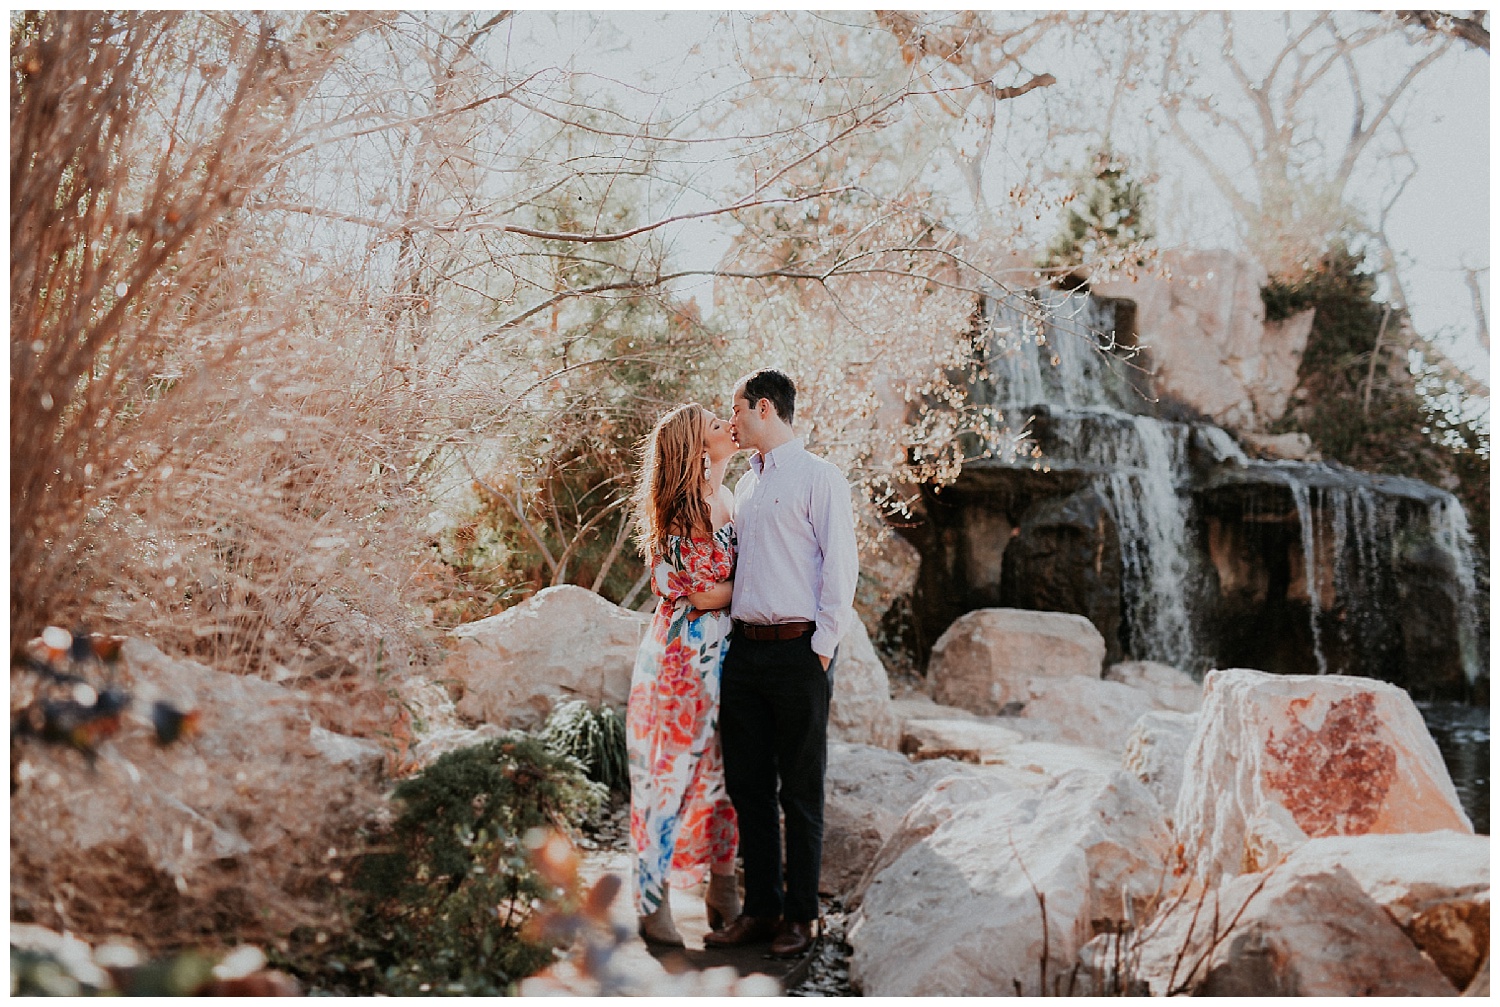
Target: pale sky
1440, 225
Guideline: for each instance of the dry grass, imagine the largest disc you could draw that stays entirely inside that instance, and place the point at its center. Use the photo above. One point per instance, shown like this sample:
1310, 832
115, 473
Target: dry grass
209, 444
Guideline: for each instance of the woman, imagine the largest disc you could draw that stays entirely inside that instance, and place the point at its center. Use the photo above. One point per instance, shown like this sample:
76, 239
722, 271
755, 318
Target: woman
680, 816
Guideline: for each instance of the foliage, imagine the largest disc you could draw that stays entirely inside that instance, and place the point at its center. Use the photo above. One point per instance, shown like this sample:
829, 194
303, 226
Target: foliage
1371, 416
1111, 213
450, 886
594, 736
192, 456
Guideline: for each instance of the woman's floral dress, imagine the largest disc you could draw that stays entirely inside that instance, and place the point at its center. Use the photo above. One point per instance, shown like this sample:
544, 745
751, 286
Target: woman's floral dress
681, 820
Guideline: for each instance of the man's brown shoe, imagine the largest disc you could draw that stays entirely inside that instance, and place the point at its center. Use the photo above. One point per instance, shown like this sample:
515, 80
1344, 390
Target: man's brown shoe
793, 938
744, 930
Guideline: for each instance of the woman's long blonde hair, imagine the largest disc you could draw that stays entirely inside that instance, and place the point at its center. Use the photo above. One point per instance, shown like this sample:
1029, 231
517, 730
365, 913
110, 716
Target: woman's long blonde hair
671, 492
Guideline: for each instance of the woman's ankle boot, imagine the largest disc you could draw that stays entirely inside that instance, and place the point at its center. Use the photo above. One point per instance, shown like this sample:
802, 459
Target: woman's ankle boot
722, 900
657, 928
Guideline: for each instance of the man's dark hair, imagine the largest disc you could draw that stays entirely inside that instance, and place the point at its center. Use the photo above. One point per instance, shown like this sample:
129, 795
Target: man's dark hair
769, 383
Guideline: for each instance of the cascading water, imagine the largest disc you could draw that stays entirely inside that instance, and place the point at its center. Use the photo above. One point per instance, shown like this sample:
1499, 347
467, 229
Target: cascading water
1154, 521
1309, 527
1142, 461
1450, 530
1049, 365
1358, 526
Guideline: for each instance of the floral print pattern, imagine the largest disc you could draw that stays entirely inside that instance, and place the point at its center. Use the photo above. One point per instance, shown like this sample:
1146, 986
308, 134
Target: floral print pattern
681, 821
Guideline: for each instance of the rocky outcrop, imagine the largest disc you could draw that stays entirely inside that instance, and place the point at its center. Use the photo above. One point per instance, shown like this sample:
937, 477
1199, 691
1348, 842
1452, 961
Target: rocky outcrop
243, 827
1277, 760
1087, 711
1053, 759
861, 708
988, 658
887, 567
977, 741
1205, 324
1297, 447
958, 913
866, 791
1309, 933
1435, 885
1169, 688
564, 642
1156, 752
950, 796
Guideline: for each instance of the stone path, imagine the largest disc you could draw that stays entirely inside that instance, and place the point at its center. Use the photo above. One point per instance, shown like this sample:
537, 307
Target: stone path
647, 963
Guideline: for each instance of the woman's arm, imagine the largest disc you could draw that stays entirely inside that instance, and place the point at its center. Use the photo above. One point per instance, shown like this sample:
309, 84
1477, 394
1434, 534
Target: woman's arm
715, 597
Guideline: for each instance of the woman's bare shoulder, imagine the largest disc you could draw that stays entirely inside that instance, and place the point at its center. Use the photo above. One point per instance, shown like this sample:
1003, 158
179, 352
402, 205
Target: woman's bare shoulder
724, 502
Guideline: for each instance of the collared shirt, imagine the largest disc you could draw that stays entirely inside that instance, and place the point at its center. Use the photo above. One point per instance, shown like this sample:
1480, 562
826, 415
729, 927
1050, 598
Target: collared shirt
797, 557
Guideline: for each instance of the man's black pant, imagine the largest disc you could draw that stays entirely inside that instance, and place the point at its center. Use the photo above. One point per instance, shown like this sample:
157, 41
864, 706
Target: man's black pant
773, 725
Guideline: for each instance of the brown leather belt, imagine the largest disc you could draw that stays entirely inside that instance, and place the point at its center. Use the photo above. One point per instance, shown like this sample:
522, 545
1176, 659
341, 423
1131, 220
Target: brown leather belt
777, 631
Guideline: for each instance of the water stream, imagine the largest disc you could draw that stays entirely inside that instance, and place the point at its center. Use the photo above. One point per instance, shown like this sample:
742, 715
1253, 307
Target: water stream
1047, 354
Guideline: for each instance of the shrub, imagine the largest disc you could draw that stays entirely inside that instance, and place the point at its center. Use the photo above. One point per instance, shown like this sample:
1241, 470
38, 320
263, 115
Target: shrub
450, 886
593, 736
1374, 417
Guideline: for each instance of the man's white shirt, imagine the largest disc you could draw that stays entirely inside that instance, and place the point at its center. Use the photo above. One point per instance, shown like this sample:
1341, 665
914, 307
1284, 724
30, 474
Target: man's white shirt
798, 561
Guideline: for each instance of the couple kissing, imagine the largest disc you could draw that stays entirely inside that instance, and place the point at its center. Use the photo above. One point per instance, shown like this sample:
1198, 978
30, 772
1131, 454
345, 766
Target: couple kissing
727, 720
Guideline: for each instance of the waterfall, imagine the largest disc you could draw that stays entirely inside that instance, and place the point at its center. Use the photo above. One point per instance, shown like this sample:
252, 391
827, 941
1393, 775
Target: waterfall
1359, 525
1450, 530
1139, 461
1152, 522
1223, 446
1050, 369
1044, 348
1306, 518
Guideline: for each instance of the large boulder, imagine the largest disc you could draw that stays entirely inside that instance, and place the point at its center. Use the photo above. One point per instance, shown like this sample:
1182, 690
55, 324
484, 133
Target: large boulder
1156, 752
950, 796
865, 793
960, 912
1170, 688
887, 568
1435, 885
861, 708
1054, 759
1205, 323
1278, 759
987, 658
1283, 933
977, 741
1087, 711
564, 642
242, 828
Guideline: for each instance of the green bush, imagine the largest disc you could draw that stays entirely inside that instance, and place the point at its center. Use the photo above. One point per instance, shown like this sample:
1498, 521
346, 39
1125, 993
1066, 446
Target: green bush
593, 736
449, 887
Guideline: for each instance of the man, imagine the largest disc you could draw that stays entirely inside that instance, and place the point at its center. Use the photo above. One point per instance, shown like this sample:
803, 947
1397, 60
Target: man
793, 599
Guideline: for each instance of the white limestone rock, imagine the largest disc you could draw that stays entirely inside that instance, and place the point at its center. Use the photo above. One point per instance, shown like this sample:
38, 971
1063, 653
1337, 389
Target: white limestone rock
434, 745
1295, 446
920, 706
946, 798
1284, 933
987, 658
1087, 711
957, 913
1053, 759
1156, 753
564, 642
861, 708
866, 790
1206, 326
1279, 759
1435, 885
1170, 688
975, 741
